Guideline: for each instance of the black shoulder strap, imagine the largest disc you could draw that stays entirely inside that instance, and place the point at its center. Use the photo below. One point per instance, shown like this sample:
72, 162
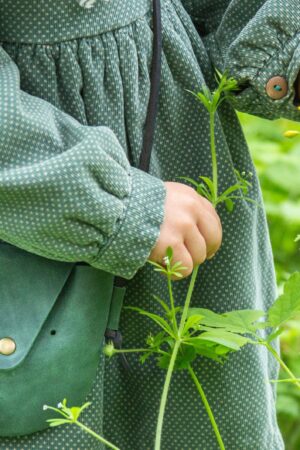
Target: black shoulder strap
153, 101
112, 333
154, 92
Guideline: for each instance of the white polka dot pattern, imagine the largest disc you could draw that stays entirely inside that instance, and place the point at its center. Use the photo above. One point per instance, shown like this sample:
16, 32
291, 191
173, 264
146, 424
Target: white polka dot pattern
67, 189
86, 3
256, 45
69, 192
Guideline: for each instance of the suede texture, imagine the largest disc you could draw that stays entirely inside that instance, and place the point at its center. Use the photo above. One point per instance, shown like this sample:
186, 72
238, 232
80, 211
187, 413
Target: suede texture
57, 314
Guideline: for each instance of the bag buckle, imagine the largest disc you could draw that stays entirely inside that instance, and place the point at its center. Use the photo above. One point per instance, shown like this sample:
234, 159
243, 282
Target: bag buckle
115, 336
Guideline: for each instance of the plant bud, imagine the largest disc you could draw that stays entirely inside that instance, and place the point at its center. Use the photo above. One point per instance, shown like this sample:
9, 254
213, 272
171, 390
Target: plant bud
109, 349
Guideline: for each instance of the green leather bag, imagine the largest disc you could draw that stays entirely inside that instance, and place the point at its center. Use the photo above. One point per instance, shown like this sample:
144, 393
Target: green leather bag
54, 315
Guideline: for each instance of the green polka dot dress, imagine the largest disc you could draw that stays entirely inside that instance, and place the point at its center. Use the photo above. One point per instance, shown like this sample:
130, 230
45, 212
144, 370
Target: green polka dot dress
74, 85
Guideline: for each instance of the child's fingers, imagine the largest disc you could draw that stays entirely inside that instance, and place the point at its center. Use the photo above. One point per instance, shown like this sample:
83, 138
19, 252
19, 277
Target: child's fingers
209, 207
196, 246
211, 230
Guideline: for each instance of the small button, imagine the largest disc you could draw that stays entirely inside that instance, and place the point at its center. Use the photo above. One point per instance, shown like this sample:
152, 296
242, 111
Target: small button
277, 88
7, 346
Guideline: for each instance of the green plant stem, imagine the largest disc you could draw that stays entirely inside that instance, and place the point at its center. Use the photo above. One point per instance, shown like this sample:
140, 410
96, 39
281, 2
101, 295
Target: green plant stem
133, 350
213, 156
207, 407
164, 396
176, 348
140, 350
175, 327
282, 364
287, 380
95, 435
188, 300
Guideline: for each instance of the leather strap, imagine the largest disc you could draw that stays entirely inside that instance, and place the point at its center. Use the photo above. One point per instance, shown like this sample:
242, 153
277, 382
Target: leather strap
154, 92
112, 333
155, 76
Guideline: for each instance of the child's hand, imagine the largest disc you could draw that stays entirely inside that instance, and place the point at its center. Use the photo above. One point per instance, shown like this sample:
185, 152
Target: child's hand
191, 227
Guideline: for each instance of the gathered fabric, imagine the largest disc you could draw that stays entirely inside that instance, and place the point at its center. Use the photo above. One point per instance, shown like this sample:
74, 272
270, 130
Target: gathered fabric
75, 85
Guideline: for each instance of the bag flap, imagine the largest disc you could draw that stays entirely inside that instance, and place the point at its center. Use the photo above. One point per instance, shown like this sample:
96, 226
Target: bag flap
29, 287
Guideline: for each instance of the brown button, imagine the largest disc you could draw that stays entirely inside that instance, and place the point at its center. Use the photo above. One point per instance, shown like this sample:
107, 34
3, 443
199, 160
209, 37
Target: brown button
277, 88
7, 346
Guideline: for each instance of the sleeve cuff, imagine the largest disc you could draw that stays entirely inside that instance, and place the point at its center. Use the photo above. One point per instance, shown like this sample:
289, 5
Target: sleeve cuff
262, 47
130, 247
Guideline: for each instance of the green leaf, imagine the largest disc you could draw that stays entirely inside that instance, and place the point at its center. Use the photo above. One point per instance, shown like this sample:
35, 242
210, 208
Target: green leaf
288, 304
185, 356
162, 304
228, 203
153, 263
177, 274
227, 339
157, 340
177, 268
202, 190
177, 265
163, 361
169, 253
206, 349
238, 321
177, 310
145, 356
202, 98
216, 98
75, 411
243, 320
157, 319
274, 335
84, 406
190, 180
209, 184
221, 350
57, 422
231, 189
191, 322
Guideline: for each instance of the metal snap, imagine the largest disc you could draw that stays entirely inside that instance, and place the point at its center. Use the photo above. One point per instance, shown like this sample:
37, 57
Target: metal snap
7, 346
277, 87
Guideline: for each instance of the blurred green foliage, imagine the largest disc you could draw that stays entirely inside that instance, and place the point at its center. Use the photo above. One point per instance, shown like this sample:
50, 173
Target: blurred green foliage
288, 398
277, 160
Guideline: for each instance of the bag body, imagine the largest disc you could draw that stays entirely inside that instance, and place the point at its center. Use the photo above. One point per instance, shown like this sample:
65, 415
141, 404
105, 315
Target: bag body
56, 314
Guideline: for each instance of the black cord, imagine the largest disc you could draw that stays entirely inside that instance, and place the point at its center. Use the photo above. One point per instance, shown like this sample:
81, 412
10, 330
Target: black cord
155, 76
115, 335
154, 92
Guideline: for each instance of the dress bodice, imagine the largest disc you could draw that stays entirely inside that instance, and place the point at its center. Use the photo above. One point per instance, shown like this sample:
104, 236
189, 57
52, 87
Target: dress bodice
49, 21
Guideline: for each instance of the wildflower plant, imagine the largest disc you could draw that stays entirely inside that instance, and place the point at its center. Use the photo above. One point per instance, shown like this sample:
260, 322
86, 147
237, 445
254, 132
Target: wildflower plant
70, 415
209, 187
186, 333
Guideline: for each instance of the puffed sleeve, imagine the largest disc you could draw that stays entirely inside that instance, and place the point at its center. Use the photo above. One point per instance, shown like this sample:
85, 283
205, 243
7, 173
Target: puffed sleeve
258, 43
67, 191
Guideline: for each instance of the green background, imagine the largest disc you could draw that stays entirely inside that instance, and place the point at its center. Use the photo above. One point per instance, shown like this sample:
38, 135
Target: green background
277, 160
